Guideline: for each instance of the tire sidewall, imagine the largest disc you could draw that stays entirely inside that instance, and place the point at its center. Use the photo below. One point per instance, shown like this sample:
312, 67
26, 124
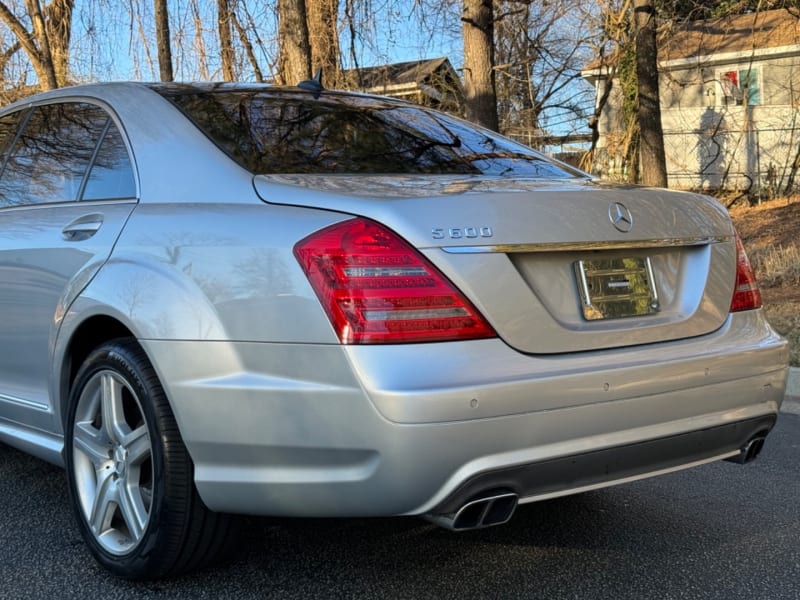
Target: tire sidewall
139, 560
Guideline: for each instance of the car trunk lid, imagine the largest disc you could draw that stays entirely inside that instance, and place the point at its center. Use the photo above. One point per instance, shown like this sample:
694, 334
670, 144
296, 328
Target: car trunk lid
554, 266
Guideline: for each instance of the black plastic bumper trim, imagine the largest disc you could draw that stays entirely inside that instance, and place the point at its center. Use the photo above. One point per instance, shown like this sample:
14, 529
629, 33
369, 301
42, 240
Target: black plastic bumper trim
611, 464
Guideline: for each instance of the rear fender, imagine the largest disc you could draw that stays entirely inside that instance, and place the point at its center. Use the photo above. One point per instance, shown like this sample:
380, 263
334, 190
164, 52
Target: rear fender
152, 300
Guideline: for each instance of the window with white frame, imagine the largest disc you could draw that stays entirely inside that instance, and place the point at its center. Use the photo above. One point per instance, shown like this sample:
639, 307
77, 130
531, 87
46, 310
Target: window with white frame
740, 86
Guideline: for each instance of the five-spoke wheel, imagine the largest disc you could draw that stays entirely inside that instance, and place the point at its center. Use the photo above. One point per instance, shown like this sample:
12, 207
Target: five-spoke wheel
112, 459
130, 476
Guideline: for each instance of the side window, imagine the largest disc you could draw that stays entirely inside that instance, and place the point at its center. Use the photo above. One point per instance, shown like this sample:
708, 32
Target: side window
111, 175
52, 154
8, 129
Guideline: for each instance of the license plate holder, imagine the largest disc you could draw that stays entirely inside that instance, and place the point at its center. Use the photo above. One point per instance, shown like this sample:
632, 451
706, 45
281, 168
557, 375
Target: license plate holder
615, 288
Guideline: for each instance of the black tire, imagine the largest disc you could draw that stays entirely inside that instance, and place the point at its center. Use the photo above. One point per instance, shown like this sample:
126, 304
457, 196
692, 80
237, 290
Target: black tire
129, 475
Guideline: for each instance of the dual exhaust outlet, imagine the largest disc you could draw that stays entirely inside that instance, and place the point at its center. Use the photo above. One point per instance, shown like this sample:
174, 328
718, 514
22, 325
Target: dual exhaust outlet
484, 511
498, 507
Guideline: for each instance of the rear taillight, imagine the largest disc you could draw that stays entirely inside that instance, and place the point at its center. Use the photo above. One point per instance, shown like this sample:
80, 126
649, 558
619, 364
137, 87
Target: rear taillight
746, 295
377, 289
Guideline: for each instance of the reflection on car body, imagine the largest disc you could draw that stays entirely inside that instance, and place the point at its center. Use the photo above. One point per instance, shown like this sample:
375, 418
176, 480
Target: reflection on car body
241, 299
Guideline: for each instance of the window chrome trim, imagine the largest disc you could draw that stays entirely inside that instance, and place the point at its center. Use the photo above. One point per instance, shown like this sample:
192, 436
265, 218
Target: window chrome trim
61, 203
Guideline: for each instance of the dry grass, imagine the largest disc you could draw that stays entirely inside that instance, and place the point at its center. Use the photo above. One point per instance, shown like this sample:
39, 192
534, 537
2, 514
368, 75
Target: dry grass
770, 232
777, 265
778, 272
785, 319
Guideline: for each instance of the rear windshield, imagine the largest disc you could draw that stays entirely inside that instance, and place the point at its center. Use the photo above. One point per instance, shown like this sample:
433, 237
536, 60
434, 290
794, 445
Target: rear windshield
293, 132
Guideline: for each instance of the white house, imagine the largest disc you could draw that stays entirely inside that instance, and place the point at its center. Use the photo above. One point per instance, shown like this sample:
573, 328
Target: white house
730, 103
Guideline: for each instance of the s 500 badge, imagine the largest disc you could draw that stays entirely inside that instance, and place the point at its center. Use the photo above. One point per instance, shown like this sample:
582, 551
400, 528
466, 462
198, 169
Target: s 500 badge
456, 233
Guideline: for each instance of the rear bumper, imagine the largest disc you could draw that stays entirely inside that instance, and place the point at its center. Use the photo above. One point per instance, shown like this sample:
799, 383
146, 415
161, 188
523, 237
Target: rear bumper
611, 466
310, 430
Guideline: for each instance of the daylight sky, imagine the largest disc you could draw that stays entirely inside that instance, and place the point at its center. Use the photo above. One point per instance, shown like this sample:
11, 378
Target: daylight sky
115, 39
108, 38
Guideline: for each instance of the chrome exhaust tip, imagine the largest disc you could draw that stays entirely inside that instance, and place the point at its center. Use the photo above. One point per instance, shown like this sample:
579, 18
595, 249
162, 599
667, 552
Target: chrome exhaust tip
481, 512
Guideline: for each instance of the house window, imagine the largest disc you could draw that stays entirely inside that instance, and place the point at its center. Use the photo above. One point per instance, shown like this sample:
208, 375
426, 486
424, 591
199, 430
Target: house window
741, 86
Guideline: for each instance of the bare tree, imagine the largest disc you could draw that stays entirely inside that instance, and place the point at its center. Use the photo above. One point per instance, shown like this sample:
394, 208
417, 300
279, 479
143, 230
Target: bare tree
225, 40
47, 42
323, 35
6, 56
540, 49
652, 159
58, 30
199, 42
244, 39
294, 60
515, 53
477, 31
634, 142
613, 38
163, 41
309, 40
793, 170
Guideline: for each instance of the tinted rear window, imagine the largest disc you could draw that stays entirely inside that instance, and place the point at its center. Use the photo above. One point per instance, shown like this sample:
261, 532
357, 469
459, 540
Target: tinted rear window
292, 132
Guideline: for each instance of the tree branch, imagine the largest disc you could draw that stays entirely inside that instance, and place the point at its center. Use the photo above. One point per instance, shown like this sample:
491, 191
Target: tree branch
24, 36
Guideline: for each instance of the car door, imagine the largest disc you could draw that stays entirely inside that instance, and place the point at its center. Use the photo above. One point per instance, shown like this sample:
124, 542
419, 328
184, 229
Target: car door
66, 189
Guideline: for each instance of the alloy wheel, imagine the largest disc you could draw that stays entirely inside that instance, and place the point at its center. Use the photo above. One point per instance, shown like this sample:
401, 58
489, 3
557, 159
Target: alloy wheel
112, 460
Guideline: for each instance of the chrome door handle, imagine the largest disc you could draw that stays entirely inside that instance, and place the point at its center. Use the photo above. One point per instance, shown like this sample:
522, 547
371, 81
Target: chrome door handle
82, 228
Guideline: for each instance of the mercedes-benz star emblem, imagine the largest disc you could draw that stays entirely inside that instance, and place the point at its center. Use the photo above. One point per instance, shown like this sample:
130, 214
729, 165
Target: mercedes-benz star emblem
620, 216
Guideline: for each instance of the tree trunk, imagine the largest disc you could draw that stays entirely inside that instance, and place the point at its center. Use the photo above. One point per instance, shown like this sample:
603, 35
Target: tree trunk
789, 189
587, 161
163, 41
294, 57
652, 160
323, 36
45, 71
58, 27
225, 40
477, 31
42, 65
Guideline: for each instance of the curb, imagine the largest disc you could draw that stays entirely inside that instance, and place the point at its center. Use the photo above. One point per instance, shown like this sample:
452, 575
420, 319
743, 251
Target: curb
791, 403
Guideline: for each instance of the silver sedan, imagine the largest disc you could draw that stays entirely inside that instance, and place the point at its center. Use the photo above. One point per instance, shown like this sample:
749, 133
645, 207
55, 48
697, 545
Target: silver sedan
229, 299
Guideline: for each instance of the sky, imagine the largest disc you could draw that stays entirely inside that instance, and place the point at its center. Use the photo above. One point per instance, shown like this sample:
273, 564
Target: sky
114, 39
108, 38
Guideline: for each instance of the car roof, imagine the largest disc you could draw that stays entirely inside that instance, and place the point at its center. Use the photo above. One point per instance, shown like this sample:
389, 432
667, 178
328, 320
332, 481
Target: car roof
174, 160
106, 91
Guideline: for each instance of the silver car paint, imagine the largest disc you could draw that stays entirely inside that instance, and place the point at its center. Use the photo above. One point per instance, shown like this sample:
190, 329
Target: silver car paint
42, 270
523, 276
281, 419
579, 207
328, 430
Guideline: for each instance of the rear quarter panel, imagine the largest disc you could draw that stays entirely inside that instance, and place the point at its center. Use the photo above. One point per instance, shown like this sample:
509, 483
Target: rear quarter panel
211, 272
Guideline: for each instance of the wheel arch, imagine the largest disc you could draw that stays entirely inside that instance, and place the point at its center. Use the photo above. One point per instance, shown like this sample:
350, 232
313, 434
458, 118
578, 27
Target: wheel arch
133, 295
154, 524
87, 336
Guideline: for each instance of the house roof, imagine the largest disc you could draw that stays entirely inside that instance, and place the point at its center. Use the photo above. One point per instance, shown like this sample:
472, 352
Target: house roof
732, 34
404, 73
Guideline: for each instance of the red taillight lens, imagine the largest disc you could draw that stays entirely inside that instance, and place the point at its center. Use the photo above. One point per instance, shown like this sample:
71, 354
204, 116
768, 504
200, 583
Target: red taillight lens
377, 289
746, 295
